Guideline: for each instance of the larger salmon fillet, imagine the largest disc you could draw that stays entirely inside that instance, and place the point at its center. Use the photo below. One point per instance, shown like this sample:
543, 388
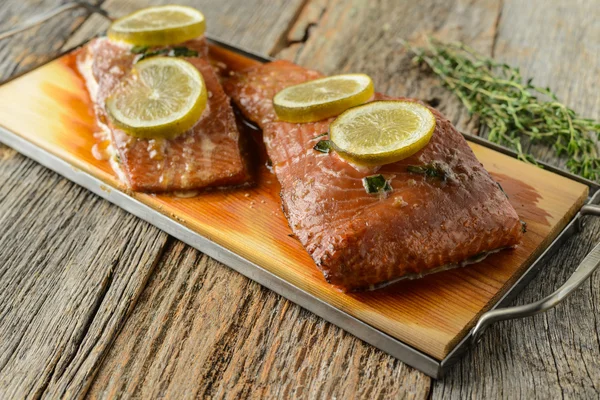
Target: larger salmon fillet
363, 241
209, 154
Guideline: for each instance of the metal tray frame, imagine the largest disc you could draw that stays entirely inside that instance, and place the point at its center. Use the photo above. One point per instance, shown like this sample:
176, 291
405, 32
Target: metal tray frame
358, 328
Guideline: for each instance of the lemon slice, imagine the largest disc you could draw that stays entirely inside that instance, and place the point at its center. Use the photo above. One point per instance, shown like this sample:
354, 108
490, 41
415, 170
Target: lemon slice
159, 26
162, 97
322, 98
382, 132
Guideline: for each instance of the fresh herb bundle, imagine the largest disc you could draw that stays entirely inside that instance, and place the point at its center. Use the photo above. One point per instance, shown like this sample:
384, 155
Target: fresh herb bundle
511, 109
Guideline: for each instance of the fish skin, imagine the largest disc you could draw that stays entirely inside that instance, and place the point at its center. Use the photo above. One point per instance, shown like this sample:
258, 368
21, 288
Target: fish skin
210, 154
361, 241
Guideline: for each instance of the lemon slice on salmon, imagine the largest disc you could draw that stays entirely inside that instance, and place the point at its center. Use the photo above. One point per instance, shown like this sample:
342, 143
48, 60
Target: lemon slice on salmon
382, 132
159, 26
322, 98
162, 97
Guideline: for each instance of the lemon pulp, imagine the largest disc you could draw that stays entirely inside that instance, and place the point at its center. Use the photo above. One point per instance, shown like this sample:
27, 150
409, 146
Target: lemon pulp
161, 97
322, 98
382, 132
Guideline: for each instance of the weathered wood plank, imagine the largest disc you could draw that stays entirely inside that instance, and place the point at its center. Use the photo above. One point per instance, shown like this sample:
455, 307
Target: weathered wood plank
349, 35
256, 25
556, 354
32, 47
71, 265
290, 353
201, 330
292, 346
557, 45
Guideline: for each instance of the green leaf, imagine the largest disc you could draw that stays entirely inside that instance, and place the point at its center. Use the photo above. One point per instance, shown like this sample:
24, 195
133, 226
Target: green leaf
376, 184
139, 49
169, 52
323, 145
431, 170
184, 52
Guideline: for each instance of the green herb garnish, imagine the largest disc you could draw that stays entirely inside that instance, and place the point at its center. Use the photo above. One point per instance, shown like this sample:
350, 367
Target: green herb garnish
323, 145
154, 53
139, 49
174, 52
376, 184
510, 109
184, 52
431, 170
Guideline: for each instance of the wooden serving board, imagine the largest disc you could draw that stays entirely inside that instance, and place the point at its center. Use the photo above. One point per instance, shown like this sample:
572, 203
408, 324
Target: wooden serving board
50, 108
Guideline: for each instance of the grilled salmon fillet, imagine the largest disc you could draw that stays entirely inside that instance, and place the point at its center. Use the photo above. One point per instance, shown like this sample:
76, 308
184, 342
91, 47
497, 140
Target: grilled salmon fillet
427, 223
209, 154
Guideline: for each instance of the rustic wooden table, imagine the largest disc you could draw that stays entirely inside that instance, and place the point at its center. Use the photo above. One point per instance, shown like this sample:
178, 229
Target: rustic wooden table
96, 302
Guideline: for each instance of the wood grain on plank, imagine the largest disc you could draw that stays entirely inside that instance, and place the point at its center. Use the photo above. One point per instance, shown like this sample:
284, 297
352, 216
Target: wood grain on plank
555, 354
201, 330
336, 36
501, 344
37, 45
82, 262
382, 372
70, 269
47, 107
71, 265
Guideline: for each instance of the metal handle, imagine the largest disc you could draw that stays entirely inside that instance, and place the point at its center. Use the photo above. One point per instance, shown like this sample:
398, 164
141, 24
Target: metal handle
589, 264
40, 19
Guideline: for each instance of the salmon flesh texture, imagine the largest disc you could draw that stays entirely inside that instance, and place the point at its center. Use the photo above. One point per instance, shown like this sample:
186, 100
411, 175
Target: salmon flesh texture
363, 241
209, 154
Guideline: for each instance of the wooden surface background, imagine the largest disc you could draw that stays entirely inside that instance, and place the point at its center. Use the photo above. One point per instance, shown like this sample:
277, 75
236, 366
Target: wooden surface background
95, 302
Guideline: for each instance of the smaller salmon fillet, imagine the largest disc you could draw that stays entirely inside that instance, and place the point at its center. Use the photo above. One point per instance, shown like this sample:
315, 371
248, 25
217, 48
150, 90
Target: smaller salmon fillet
209, 154
364, 241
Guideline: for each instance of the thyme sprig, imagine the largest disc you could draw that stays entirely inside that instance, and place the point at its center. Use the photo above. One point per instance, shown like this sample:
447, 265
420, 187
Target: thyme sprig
513, 111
